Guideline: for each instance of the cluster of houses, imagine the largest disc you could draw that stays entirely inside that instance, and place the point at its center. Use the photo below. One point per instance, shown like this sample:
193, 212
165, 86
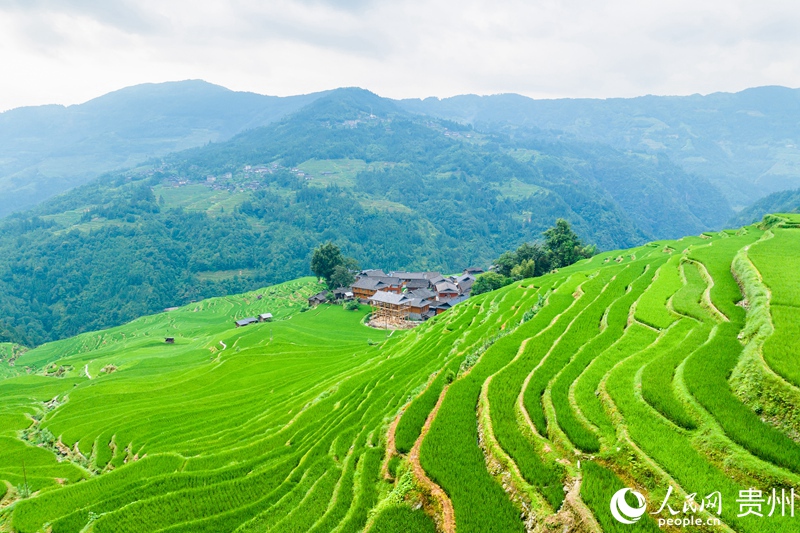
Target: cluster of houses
404, 296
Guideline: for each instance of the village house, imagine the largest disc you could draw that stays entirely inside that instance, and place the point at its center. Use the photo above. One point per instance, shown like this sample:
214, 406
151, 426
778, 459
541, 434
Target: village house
319, 298
400, 298
246, 321
364, 287
446, 290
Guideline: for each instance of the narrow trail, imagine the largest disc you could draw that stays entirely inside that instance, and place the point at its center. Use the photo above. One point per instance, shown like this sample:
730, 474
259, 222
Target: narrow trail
391, 449
585, 515
448, 524
224, 346
86, 369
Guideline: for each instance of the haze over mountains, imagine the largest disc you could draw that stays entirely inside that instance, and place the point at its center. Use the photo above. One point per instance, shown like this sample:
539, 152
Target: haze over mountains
49, 149
745, 143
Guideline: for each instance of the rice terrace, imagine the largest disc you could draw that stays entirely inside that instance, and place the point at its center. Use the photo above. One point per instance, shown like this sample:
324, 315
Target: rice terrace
670, 369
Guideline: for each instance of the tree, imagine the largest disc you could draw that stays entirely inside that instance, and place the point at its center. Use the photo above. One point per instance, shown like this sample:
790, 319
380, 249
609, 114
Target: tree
526, 269
506, 262
330, 264
342, 276
325, 259
564, 245
489, 281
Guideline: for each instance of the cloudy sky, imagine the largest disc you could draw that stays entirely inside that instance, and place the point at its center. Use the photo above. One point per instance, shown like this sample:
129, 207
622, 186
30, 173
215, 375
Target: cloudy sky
68, 51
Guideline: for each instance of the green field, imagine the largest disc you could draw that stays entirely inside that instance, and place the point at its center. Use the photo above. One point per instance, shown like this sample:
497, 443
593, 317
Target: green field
521, 416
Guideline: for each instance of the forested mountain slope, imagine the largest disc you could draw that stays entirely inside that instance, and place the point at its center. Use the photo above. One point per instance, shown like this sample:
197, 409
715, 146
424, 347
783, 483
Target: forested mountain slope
745, 143
777, 202
646, 368
392, 189
46, 150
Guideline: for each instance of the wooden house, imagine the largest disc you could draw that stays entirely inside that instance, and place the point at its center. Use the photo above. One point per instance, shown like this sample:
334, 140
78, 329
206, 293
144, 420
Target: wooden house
364, 288
446, 290
319, 298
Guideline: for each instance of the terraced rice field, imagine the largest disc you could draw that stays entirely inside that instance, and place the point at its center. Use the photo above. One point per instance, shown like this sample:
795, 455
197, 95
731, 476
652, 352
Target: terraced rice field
670, 369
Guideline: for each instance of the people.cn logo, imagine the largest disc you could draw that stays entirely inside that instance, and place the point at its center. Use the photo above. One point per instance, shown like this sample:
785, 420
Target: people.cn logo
623, 512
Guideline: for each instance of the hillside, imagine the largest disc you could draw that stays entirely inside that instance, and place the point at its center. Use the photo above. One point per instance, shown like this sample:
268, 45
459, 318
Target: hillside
745, 143
394, 190
777, 202
644, 368
46, 150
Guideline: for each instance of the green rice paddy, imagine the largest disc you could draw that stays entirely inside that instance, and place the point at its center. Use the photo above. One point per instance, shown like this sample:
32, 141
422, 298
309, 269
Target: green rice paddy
528, 417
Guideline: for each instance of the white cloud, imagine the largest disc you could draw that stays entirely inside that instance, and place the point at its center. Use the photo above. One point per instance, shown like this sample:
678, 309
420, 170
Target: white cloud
67, 51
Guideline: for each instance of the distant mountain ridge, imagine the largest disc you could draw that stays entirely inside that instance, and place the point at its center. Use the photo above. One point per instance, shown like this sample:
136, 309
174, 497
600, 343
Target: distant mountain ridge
777, 202
49, 149
745, 143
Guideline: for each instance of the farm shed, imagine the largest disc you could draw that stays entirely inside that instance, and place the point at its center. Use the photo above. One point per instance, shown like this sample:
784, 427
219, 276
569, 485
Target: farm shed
265, 317
170, 340
246, 321
319, 298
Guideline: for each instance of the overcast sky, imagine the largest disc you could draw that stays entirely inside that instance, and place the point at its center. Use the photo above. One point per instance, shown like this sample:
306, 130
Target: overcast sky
69, 51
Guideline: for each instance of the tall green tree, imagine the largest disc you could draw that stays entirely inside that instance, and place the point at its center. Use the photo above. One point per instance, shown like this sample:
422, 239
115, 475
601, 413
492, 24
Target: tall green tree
342, 277
565, 245
328, 263
325, 259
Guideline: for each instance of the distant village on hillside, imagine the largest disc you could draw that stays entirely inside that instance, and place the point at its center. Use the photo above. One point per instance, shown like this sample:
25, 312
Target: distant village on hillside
402, 300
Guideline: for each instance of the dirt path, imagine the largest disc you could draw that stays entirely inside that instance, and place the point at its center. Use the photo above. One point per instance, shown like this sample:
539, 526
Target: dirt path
86, 369
448, 524
391, 450
584, 515
223, 345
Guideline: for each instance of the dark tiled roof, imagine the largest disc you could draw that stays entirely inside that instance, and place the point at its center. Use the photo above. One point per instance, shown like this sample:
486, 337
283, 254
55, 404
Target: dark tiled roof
389, 298
417, 284
425, 294
246, 321
446, 286
376, 283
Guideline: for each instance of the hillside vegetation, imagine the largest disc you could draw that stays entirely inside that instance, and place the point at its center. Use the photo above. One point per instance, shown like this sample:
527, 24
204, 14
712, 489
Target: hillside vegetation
393, 190
47, 150
666, 365
778, 202
745, 143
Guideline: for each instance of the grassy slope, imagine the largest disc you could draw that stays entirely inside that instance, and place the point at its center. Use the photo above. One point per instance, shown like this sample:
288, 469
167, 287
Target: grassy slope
284, 428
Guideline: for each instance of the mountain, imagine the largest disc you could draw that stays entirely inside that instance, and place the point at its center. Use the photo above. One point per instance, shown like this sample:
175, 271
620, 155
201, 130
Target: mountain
669, 368
778, 202
393, 189
746, 143
46, 150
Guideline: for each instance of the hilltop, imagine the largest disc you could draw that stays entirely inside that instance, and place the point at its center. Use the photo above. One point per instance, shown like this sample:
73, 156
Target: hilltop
664, 365
394, 190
